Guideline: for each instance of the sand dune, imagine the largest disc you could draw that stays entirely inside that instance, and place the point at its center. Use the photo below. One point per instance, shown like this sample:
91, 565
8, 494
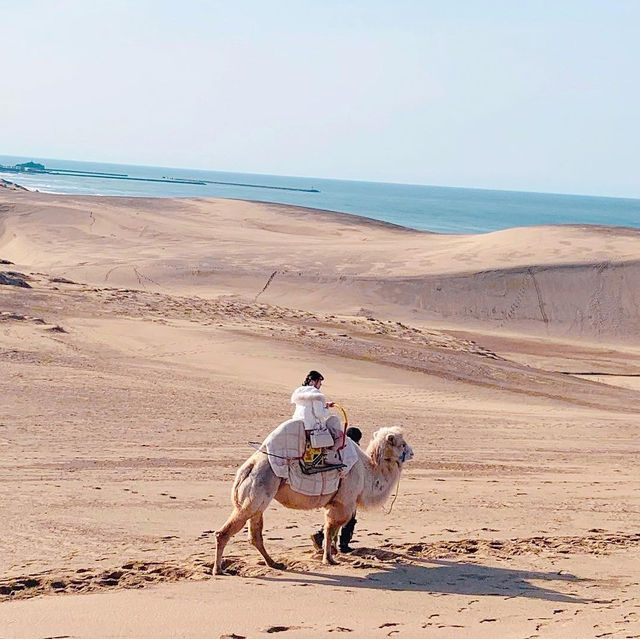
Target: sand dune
555, 280
152, 341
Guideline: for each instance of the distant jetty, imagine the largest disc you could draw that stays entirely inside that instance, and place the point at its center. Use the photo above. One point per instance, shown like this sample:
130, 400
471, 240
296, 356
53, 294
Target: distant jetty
264, 186
37, 168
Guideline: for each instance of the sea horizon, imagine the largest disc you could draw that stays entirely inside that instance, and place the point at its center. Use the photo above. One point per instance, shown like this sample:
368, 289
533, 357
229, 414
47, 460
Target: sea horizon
27, 158
443, 209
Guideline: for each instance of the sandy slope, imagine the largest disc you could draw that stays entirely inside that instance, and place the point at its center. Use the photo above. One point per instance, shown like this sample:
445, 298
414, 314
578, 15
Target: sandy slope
130, 390
557, 280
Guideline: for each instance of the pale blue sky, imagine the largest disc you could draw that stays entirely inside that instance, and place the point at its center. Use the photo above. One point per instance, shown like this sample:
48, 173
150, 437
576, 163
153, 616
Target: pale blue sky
506, 94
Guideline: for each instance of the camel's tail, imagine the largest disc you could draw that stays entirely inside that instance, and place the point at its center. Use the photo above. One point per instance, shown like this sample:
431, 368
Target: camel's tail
241, 476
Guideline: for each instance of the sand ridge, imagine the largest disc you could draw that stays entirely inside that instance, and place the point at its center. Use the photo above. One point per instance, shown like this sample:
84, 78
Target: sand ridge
138, 574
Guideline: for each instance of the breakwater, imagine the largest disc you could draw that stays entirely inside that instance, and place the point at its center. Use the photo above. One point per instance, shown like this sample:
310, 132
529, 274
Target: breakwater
31, 168
264, 186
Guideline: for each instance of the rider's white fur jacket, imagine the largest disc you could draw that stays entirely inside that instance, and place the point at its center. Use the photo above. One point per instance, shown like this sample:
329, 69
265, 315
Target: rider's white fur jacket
310, 407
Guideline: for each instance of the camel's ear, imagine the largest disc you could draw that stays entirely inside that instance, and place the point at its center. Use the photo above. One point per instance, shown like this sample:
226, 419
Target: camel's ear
391, 439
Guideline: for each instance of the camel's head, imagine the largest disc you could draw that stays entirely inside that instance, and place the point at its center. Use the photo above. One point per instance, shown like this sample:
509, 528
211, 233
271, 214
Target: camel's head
388, 444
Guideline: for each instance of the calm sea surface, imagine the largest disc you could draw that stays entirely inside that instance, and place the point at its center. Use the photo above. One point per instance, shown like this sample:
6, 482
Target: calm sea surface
431, 208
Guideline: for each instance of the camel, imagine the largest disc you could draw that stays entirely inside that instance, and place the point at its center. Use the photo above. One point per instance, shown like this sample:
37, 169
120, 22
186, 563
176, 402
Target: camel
367, 484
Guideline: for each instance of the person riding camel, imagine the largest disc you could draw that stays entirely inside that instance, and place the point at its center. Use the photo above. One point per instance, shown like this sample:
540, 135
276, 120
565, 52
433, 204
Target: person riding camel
312, 408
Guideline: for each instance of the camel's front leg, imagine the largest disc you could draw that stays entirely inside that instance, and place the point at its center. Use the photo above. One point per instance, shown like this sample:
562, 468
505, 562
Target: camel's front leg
337, 514
330, 534
255, 537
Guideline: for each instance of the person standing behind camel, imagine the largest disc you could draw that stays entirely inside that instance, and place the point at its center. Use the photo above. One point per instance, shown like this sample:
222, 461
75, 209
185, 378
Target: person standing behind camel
346, 532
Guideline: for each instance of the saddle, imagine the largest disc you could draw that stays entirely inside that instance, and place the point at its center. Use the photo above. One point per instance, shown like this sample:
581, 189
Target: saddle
314, 460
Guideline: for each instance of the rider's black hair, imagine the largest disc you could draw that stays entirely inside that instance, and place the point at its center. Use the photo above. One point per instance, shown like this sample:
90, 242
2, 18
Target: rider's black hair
353, 432
312, 376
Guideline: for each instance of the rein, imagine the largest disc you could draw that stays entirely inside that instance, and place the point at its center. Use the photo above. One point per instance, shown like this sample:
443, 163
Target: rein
258, 446
388, 512
346, 425
401, 459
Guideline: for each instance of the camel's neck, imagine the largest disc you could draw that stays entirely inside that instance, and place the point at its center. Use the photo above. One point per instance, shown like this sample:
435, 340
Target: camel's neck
379, 482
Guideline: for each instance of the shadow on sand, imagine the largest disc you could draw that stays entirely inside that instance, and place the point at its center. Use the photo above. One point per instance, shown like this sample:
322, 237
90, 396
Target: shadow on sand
444, 577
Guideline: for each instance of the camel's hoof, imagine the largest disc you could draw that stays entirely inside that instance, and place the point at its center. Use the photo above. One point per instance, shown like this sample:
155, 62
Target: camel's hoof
217, 572
329, 561
278, 565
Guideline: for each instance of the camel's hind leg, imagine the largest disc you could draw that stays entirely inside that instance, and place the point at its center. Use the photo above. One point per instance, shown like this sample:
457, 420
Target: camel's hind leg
233, 525
255, 537
254, 488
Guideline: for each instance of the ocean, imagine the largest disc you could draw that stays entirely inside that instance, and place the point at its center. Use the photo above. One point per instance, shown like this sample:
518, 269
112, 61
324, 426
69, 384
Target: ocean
429, 208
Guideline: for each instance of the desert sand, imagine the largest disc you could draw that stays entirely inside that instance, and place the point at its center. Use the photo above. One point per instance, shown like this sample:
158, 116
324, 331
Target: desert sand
144, 343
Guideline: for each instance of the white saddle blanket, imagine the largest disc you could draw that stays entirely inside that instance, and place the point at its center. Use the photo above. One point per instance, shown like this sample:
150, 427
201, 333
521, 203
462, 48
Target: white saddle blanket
285, 443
